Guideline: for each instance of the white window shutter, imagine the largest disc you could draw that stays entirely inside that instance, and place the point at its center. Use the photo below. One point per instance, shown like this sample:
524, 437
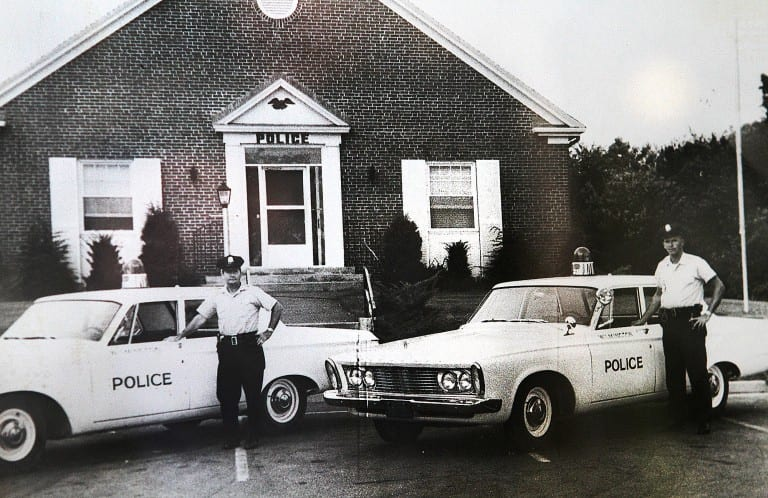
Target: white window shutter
66, 206
416, 198
146, 189
488, 205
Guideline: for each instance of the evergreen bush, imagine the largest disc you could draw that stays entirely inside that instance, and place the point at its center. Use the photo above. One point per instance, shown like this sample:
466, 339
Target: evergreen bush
106, 268
161, 249
401, 252
458, 274
44, 268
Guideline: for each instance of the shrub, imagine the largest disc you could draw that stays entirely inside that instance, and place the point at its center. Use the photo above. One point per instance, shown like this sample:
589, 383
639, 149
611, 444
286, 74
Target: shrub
160, 253
44, 268
106, 268
509, 258
458, 274
401, 252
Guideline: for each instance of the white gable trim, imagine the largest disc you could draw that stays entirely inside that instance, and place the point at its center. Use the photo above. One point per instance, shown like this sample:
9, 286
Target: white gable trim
485, 66
72, 48
229, 124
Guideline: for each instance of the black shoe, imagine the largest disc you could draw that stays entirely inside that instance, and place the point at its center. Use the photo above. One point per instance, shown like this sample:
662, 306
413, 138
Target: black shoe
230, 444
251, 443
704, 428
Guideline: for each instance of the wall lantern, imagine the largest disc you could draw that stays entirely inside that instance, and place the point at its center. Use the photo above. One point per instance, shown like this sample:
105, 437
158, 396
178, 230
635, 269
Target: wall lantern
224, 193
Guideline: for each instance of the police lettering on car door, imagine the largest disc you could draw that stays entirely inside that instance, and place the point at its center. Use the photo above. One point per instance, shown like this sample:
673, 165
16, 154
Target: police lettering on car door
141, 381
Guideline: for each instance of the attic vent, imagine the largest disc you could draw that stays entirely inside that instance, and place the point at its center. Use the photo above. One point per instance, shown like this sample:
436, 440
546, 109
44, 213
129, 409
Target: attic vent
278, 9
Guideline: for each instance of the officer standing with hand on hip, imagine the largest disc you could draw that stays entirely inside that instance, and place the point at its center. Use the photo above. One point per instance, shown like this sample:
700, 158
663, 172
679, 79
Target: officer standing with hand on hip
680, 280
241, 356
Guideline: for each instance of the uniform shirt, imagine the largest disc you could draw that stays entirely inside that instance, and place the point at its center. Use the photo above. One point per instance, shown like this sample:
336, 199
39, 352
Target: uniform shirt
238, 313
682, 284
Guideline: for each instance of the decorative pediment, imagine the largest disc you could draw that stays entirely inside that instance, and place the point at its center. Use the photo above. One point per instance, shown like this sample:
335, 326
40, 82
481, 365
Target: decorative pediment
280, 107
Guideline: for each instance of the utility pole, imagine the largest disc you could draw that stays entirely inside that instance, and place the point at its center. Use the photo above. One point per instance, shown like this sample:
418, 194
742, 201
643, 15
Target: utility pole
740, 180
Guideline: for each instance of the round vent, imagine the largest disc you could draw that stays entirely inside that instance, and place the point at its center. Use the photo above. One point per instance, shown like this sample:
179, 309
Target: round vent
278, 9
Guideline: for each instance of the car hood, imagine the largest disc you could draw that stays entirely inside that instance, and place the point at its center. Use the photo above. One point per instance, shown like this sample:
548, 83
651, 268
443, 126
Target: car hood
25, 358
469, 344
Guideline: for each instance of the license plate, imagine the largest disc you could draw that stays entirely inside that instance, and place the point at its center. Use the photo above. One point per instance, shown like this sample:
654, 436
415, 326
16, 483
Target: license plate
399, 409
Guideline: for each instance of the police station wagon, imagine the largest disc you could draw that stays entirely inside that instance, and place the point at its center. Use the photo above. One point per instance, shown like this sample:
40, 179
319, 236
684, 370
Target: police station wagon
94, 361
534, 351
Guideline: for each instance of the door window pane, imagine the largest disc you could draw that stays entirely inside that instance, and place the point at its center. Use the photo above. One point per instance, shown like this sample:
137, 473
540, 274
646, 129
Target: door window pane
285, 187
286, 226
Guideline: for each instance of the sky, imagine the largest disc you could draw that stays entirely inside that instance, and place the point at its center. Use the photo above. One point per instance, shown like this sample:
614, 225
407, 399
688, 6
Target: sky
651, 72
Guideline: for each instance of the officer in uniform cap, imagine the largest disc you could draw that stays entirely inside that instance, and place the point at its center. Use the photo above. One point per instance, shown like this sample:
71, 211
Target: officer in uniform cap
241, 356
679, 298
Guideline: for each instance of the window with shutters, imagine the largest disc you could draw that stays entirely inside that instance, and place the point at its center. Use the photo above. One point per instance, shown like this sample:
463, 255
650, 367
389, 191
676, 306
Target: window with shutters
451, 195
107, 200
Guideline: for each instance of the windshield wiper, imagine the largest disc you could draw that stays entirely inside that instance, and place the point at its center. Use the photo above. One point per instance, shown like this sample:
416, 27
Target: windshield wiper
526, 320
35, 337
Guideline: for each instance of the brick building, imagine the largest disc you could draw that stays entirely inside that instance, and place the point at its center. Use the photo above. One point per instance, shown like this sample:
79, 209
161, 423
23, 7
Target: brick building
325, 118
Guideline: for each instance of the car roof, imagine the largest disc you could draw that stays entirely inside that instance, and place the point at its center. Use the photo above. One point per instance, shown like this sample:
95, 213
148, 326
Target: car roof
135, 294
595, 281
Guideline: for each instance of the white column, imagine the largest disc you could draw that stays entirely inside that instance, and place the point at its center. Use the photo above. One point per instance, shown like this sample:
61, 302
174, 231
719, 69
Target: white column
332, 210
238, 204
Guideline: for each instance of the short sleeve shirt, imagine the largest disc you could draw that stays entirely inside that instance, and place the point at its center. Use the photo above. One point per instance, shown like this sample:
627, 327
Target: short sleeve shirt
238, 313
682, 284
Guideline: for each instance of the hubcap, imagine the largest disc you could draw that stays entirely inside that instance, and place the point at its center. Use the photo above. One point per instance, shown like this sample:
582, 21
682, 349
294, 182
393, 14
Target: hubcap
17, 435
538, 412
282, 401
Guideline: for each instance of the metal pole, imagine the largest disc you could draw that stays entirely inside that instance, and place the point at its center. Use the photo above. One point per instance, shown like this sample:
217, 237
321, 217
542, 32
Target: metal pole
740, 180
225, 218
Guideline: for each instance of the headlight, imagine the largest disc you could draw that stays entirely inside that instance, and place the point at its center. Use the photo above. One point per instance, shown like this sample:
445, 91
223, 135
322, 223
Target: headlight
465, 381
355, 377
448, 381
368, 379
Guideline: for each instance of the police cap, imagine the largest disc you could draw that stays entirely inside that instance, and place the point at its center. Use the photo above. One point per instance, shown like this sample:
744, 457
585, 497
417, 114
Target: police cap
229, 262
672, 230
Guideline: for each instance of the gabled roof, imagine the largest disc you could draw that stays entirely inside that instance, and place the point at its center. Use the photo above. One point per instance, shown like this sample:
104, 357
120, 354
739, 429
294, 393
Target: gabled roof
560, 127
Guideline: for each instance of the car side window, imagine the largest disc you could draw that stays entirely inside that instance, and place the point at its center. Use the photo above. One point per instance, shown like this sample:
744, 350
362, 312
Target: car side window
156, 321
623, 310
211, 326
649, 292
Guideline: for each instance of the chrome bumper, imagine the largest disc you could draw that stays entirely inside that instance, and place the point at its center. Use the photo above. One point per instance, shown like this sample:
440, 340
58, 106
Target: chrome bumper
408, 408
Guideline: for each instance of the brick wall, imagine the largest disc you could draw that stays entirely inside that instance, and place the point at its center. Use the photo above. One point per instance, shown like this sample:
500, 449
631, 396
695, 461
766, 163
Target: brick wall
153, 88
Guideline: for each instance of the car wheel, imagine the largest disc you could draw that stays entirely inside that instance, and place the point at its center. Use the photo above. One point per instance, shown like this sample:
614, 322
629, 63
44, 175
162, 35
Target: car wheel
533, 416
284, 403
22, 433
398, 432
719, 388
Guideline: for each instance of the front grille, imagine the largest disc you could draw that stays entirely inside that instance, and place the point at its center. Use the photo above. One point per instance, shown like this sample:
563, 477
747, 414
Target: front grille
405, 380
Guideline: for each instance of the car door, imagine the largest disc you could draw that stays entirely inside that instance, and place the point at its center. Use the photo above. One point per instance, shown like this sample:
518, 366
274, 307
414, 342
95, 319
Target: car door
141, 374
201, 359
623, 356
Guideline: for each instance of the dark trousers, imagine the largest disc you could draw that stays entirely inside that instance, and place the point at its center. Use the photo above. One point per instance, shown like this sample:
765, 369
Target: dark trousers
241, 368
685, 351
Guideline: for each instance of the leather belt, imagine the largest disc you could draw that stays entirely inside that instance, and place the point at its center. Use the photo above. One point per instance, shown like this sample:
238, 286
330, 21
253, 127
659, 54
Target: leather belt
681, 312
235, 340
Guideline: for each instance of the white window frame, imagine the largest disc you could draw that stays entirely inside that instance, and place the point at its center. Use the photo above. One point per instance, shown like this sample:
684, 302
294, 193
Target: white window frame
82, 165
473, 189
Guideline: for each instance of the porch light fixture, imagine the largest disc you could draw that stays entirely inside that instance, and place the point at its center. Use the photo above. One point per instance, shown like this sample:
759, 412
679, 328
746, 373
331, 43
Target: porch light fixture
224, 193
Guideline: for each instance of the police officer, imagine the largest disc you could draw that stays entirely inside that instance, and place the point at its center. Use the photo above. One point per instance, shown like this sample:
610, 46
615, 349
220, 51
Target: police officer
680, 280
241, 356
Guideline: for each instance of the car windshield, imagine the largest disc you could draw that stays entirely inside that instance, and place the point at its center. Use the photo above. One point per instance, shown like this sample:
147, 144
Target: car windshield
63, 320
549, 304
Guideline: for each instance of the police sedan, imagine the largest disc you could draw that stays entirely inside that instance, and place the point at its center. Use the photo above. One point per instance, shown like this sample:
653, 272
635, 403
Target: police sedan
533, 352
95, 361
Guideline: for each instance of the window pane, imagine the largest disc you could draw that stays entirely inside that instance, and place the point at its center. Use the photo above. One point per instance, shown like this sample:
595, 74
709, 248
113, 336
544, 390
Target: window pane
108, 223
157, 321
452, 218
285, 187
107, 206
106, 179
286, 226
282, 155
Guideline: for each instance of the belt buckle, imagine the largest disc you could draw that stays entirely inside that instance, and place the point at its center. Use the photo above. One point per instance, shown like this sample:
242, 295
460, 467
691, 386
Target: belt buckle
233, 340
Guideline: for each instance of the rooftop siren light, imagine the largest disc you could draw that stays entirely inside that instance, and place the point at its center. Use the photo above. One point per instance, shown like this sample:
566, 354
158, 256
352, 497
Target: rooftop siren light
582, 262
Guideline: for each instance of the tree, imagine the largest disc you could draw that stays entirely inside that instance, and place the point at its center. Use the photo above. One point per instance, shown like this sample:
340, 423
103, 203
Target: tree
160, 252
401, 252
106, 268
